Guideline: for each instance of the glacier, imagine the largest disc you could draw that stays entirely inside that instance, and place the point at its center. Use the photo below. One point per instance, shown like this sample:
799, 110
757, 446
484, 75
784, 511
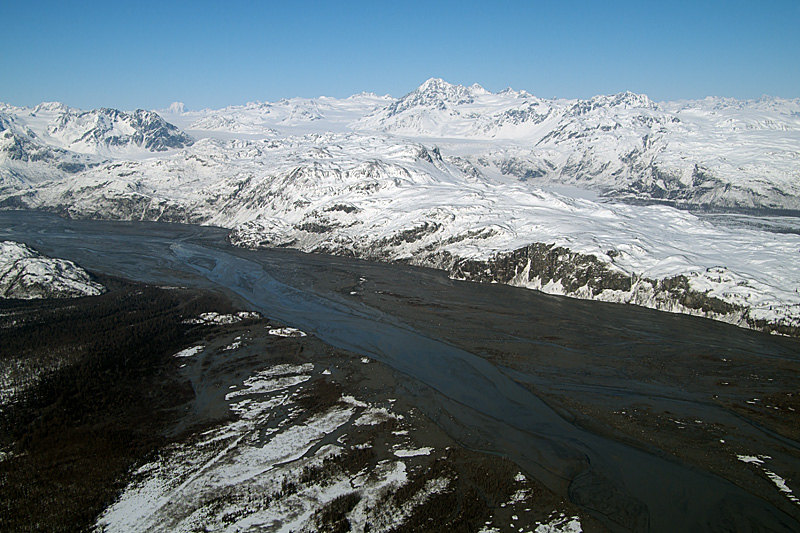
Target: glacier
687, 207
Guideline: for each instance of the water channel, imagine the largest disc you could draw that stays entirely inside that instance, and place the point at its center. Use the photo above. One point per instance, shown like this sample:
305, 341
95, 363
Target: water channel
628, 488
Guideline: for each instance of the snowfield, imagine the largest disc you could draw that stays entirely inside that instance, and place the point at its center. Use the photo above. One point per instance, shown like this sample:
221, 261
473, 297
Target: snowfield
573, 197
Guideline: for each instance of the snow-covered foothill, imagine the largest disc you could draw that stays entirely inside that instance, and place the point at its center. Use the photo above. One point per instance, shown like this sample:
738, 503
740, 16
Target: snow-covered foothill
27, 274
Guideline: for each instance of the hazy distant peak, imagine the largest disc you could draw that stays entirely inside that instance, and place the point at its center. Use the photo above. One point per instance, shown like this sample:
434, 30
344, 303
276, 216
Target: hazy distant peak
51, 107
371, 95
176, 108
509, 92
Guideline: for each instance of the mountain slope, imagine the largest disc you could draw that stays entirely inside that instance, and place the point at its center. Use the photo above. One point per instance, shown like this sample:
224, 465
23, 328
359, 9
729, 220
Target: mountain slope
714, 153
451, 177
106, 132
26, 274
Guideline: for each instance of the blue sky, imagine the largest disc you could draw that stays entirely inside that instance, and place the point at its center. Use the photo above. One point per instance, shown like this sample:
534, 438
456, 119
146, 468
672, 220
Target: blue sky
211, 54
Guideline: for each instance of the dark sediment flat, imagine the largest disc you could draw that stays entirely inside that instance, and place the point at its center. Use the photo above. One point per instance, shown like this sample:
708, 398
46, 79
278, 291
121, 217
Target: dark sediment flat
105, 395
637, 416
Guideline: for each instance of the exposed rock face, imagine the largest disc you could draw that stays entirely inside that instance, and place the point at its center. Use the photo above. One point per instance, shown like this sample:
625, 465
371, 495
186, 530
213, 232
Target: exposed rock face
558, 270
26, 274
547, 264
713, 292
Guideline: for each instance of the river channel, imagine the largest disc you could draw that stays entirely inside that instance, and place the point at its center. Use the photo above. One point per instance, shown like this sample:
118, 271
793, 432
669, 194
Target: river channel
629, 485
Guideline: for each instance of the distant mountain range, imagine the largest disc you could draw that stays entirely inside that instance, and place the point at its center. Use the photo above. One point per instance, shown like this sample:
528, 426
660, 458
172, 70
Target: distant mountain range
572, 197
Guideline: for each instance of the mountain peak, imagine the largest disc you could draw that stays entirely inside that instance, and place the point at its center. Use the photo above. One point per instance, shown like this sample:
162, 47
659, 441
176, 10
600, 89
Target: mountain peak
631, 99
51, 107
508, 91
623, 100
438, 94
477, 88
434, 85
437, 87
176, 108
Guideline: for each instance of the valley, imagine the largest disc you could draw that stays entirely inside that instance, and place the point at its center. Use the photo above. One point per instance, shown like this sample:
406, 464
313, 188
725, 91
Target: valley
592, 401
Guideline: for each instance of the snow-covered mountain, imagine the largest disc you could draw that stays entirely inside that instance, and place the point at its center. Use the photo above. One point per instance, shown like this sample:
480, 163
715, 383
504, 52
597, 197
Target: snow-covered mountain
714, 153
53, 141
275, 119
463, 179
103, 132
26, 274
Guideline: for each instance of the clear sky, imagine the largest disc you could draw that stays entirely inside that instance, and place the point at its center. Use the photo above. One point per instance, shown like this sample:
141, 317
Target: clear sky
145, 54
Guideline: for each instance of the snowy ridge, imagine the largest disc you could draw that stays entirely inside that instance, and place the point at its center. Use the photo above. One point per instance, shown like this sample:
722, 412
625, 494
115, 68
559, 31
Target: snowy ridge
282, 118
717, 153
463, 179
104, 132
26, 274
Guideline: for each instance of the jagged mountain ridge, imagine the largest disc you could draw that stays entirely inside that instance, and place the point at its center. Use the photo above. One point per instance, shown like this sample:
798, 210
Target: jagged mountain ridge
316, 176
714, 153
105, 132
54, 141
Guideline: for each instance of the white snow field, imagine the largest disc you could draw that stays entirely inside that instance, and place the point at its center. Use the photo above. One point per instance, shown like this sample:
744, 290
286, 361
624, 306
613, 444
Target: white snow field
461, 179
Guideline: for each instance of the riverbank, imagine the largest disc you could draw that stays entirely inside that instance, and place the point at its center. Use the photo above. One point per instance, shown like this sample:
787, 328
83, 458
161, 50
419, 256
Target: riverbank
598, 402
232, 395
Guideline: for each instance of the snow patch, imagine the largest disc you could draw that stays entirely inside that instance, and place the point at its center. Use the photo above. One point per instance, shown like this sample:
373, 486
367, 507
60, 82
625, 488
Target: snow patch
245, 474
759, 461
560, 525
413, 453
190, 352
374, 416
214, 318
287, 332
